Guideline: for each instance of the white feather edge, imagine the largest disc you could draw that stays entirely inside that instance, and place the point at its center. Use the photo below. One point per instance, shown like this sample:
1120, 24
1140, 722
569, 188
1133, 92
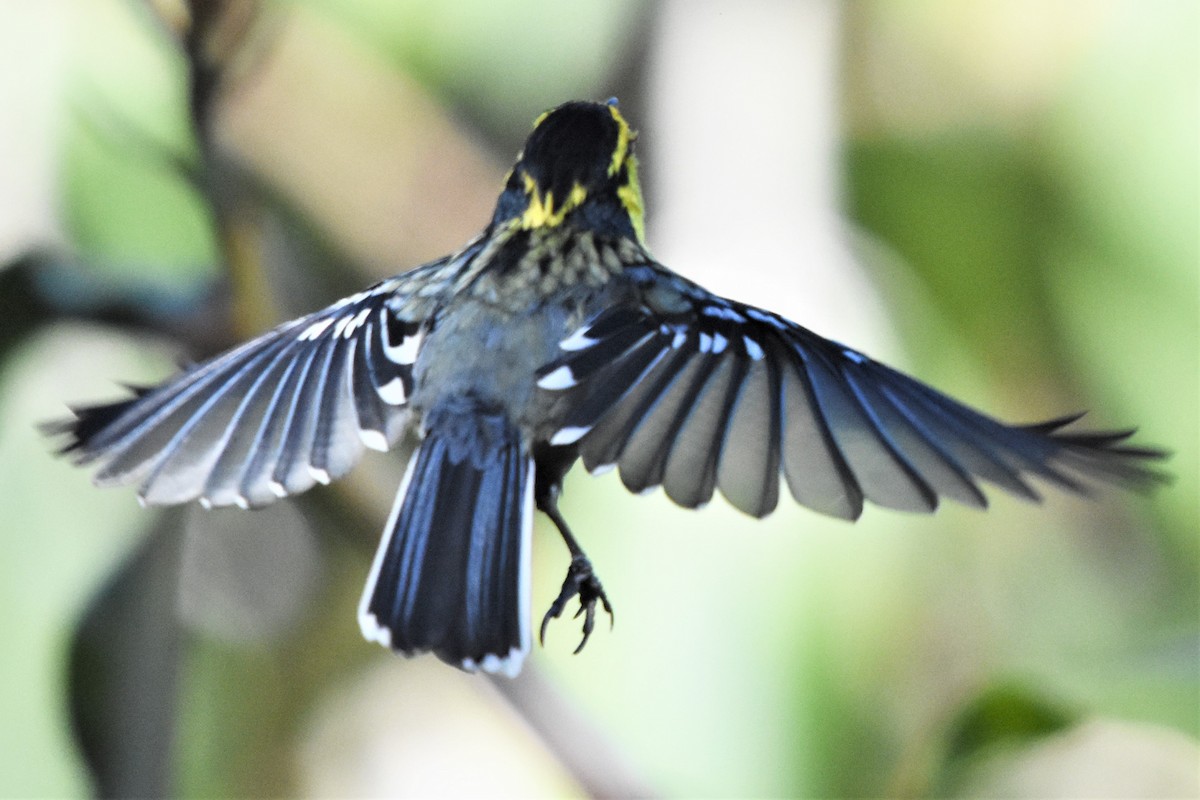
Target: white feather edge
372, 631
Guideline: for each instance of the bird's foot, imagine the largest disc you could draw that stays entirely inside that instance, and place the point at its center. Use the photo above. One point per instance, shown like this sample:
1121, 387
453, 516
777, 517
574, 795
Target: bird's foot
581, 581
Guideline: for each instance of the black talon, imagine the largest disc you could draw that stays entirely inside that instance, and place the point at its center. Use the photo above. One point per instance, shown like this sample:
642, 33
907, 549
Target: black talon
581, 581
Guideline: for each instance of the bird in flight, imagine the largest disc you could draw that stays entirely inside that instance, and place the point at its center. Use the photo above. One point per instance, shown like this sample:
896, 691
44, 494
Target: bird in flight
554, 336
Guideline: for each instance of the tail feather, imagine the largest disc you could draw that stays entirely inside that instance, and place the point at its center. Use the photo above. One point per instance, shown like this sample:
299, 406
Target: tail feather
452, 573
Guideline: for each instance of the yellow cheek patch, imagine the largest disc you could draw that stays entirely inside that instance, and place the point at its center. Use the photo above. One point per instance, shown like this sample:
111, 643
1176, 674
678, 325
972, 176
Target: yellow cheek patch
541, 212
625, 135
629, 192
630, 195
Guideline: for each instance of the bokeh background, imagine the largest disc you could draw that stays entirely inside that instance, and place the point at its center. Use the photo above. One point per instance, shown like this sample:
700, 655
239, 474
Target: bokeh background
998, 195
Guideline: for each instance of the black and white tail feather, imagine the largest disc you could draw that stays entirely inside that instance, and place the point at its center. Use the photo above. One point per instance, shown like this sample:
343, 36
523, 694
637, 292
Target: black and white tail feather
451, 575
694, 392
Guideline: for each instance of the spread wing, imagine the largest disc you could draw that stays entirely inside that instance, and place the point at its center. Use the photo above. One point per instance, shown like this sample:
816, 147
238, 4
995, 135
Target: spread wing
693, 392
268, 419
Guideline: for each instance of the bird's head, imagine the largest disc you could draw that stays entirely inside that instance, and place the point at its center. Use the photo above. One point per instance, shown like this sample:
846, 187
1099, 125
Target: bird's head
577, 168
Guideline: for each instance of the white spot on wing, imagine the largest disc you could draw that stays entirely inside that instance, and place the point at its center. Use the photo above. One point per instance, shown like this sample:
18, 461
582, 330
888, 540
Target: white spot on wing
316, 329
375, 440
354, 298
277, 489
319, 475
356, 322
393, 392
722, 312
405, 351
569, 435
753, 349
559, 379
579, 340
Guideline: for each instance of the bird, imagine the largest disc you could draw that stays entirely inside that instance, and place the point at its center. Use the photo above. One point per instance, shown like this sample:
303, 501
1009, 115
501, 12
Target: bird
552, 337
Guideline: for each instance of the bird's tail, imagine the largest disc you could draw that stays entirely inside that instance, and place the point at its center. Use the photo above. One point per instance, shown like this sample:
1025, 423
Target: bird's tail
452, 573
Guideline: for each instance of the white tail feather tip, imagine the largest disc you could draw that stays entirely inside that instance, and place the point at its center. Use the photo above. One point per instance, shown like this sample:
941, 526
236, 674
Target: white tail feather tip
372, 631
509, 666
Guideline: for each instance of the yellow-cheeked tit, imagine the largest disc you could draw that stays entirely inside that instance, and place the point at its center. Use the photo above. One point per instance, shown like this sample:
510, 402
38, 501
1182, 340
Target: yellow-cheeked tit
553, 336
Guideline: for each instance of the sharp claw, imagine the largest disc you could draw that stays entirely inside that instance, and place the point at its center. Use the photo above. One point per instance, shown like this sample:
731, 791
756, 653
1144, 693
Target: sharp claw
589, 622
580, 582
556, 608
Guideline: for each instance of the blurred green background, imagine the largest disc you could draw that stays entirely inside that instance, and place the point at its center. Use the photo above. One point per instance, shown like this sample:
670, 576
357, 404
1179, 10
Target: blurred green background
1001, 197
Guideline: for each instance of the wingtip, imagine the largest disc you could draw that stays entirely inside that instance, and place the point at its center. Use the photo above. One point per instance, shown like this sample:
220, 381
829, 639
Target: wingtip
1103, 455
85, 424
1051, 425
61, 427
